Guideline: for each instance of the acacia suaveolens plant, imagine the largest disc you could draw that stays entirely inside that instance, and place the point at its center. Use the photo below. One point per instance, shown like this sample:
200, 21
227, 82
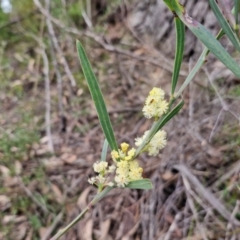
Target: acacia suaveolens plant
124, 171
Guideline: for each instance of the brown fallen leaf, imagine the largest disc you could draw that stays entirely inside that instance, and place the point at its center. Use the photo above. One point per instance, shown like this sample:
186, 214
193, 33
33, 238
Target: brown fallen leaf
57, 192
86, 229
13, 219
42, 231
82, 200
167, 175
4, 170
52, 163
5, 202
105, 225
29, 235
66, 149
69, 158
19, 232
2, 236
18, 167
11, 181
44, 140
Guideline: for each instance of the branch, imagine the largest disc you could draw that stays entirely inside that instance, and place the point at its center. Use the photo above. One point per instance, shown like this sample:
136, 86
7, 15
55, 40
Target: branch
103, 43
55, 42
47, 99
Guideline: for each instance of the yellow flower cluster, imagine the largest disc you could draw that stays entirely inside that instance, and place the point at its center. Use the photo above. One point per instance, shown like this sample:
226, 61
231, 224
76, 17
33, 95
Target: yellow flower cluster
102, 169
155, 105
157, 143
127, 168
123, 153
99, 167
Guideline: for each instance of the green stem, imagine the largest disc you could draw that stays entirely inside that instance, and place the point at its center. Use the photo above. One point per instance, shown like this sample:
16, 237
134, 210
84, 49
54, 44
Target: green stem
198, 65
96, 199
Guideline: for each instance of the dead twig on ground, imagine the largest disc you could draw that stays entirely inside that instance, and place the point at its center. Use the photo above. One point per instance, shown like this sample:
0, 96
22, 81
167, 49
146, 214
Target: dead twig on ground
191, 205
55, 42
31, 196
206, 194
53, 226
47, 100
230, 226
86, 15
234, 169
172, 227
223, 103
107, 46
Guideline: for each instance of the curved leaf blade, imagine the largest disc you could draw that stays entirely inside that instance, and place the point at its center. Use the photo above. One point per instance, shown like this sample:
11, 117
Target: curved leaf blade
169, 116
201, 60
97, 97
237, 9
180, 38
104, 151
224, 24
207, 39
140, 184
171, 4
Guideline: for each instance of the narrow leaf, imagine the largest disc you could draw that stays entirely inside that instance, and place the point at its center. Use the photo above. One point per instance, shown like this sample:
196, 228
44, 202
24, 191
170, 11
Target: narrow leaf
104, 151
193, 72
169, 4
237, 9
224, 24
180, 37
140, 184
225, 8
169, 116
201, 60
97, 97
101, 195
207, 39
172, 5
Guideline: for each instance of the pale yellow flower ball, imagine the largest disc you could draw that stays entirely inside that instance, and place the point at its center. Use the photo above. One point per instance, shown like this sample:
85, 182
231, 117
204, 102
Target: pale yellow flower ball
157, 143
121, 180
124, 147
100, 166
155, 105
115, 155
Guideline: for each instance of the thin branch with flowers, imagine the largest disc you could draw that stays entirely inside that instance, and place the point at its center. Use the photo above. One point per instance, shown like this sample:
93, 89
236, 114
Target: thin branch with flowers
124, 171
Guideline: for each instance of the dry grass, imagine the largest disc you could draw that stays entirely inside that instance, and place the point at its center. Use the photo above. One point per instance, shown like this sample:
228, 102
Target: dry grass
196, 178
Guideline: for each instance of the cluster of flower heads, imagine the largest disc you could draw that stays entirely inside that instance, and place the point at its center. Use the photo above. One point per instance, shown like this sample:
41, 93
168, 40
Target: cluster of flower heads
155, 105
127, 168
157, 143
103, 171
